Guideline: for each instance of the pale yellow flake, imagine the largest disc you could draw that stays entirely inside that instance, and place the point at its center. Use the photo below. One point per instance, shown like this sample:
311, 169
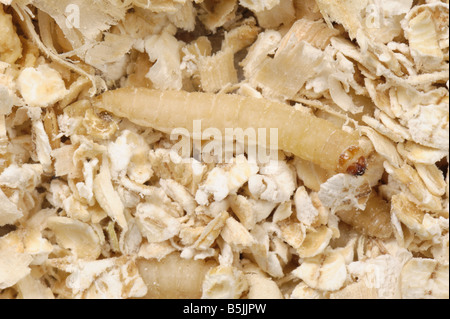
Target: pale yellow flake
32, 288
344, 191
13, 267
432, 178
241, 37
417, 153
282, 13
412, 183
155, 223
179, 194
242, 207
326, 271
9, 213
306, 212
184, 17
357, 290
110, 55
315, 242
217, 71
420, 30
421, 223
282, 212
224, 282
265, 44
424, 279
303, 291
383, 146
276, 182
110, 278
259, 5
76, 236
236, 235
41, 86
292, 233
315, 32
347, 13
211, 231
156, 250
164, 50
107, 197
218, 14
298, 61
260, 285
11, 47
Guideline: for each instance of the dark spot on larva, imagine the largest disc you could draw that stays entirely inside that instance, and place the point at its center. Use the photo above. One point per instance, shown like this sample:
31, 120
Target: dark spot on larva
346, 157
358, 168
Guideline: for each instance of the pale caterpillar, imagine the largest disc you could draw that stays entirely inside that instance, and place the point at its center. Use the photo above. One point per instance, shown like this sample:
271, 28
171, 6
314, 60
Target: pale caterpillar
301, 134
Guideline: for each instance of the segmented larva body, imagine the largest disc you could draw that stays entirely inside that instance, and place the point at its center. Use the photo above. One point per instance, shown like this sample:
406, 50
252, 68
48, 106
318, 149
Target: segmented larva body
374, 220
174, 277
304, 135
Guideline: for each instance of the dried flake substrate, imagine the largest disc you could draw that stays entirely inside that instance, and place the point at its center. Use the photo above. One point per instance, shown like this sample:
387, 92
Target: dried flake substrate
98, 198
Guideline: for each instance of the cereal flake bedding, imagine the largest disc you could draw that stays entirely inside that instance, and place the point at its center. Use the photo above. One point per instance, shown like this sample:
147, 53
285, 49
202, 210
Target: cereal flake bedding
94, 205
